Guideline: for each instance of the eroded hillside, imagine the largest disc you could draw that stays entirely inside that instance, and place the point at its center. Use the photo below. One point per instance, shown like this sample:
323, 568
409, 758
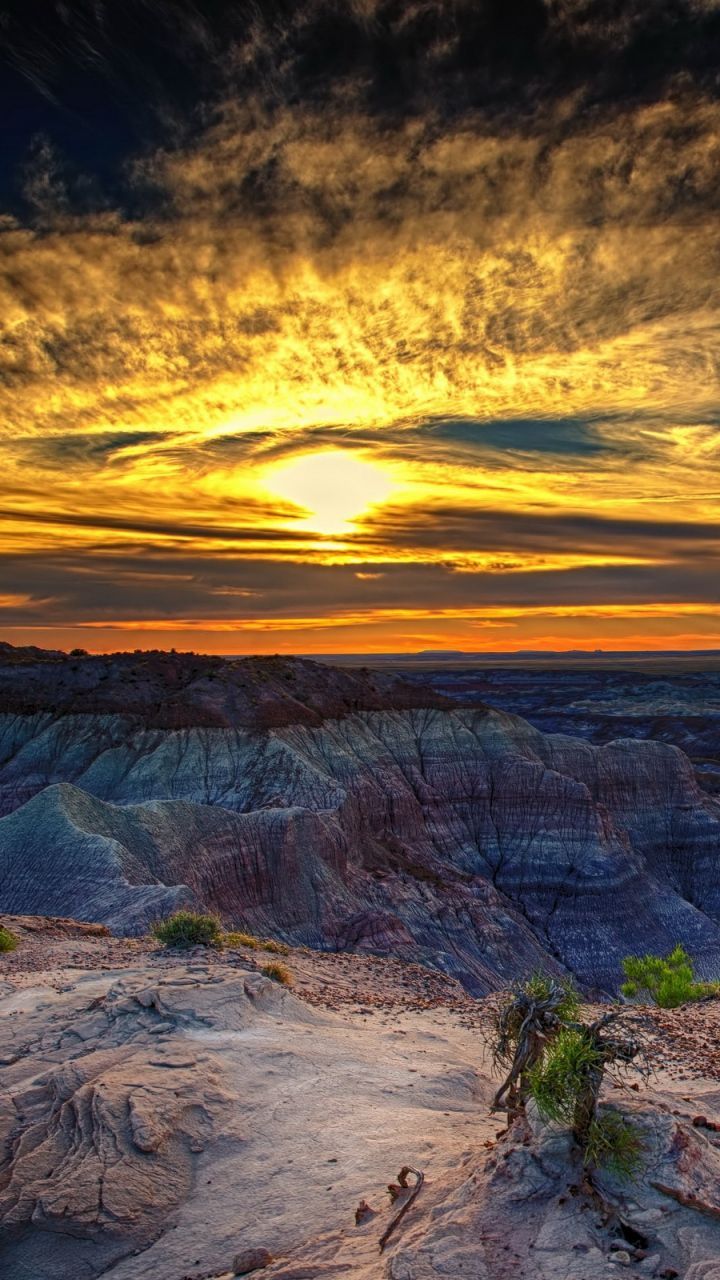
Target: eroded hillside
462, 838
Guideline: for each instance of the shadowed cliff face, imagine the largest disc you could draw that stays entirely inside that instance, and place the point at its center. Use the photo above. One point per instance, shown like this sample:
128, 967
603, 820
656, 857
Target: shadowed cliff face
464, 838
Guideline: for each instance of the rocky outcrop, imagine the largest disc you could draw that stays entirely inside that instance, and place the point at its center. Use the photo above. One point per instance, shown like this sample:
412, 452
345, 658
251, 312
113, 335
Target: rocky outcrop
111, 1092
465, 838
155, 1113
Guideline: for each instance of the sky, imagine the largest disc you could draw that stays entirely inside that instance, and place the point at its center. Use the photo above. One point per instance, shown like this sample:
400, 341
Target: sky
360, 325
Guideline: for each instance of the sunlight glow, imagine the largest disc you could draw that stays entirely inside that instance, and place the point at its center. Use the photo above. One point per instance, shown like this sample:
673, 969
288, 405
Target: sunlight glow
334, 487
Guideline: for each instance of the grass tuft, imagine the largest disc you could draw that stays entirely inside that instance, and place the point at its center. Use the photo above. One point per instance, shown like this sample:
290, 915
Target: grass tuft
277, 948
278, 972
234, 939
614, 1144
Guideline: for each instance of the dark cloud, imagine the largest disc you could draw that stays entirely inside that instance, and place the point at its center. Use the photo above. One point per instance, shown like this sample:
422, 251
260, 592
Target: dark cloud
103, 81
454, 528
123, 588
177, 529
78, 451
473, 241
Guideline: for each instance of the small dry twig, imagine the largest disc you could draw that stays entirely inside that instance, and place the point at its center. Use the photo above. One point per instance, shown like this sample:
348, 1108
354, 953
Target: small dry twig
402, 1179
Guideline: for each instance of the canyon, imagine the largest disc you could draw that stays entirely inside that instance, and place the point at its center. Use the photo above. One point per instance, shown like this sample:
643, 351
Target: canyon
346, 810
672, 697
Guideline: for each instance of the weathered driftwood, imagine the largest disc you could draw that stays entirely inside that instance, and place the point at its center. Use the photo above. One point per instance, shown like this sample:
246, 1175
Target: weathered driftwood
523, 1029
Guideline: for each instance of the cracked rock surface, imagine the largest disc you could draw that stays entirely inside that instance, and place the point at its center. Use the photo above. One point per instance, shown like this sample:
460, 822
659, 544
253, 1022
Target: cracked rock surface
162, 1115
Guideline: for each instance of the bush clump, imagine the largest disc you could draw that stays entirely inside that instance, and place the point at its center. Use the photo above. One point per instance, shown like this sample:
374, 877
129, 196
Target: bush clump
8, 941
540, 986
559, 1061
278, 972
188, 929
544, 1000
667, 981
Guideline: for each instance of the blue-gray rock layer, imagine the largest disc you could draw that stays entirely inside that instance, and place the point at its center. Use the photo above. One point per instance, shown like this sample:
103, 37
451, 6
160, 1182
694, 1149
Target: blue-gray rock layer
465, 839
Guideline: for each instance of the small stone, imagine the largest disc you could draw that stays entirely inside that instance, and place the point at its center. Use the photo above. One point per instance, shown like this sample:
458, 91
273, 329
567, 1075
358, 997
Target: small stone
621, 1256
364, 1213
251, 1260
700, 1122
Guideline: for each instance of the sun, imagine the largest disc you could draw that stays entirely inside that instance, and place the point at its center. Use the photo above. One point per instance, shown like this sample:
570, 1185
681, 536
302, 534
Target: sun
334, 487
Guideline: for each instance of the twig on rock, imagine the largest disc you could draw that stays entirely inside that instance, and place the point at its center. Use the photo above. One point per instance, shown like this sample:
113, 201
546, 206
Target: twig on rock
402, 1179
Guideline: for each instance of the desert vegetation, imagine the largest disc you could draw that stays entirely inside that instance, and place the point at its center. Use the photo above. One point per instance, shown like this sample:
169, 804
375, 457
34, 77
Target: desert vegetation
193, 929
278, 972
8, 941
559, 1062
188, 929
235, 939
667, 981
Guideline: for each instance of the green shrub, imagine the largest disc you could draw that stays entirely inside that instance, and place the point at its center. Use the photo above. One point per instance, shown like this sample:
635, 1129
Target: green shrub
8, 941
557, 1081
614, 1144
188, 929
278, 972
665, 980
539, 986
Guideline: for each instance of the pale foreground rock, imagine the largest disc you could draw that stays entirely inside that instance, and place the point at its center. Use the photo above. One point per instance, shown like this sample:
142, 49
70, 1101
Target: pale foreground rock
192, 1110
160, 1121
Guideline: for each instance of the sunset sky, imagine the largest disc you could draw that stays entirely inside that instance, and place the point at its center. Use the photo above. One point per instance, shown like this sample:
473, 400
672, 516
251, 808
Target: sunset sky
360, 326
